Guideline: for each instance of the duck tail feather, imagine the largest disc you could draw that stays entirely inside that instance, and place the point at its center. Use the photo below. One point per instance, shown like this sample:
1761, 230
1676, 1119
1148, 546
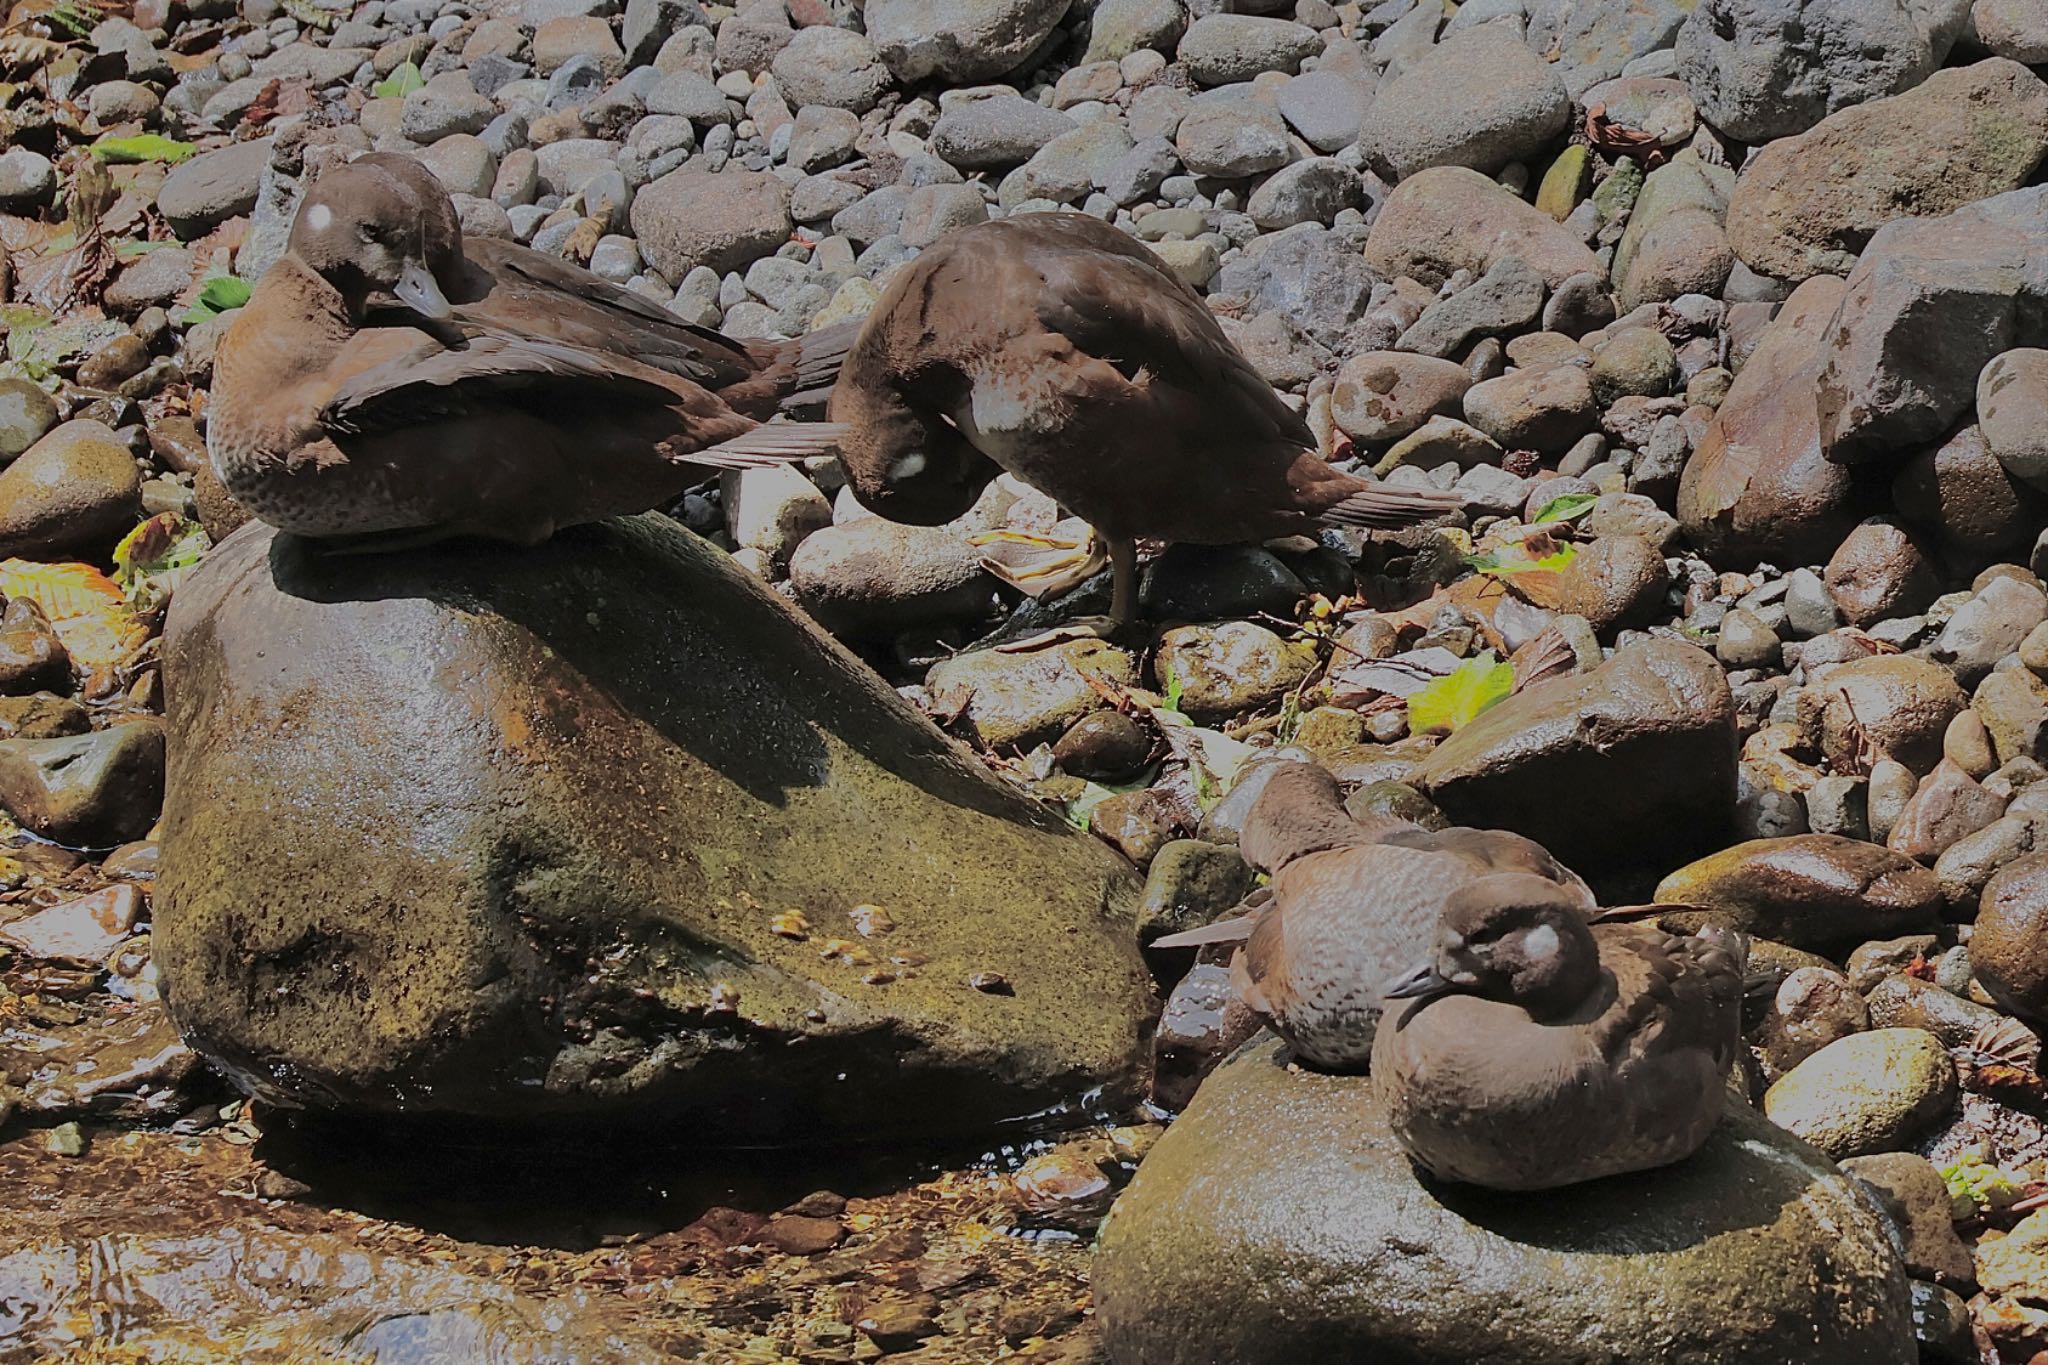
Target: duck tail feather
1222, 931
771, 443
819, 355
1389, 507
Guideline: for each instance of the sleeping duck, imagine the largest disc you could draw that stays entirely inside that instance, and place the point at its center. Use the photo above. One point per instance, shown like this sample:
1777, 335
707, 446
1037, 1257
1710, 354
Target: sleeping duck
1529, 1049
1058, 348
495, 283
352, 401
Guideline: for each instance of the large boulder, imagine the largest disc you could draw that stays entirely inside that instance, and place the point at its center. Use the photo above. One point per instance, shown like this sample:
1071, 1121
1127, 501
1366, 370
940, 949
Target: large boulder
1758, 485
1808, 205
1279, 1222
603, 829
1625, 766
1763, 69
1931, 300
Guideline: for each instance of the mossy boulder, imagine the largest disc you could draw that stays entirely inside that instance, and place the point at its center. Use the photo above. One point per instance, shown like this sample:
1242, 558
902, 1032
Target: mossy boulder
1278, 1221
605, 829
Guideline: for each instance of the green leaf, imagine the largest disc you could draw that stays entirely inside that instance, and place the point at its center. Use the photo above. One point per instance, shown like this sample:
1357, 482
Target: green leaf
1458, 697
222, 292
143, 147
219, 294
1173, 689
1513, 559
1095, 793
399, 83
1566, 507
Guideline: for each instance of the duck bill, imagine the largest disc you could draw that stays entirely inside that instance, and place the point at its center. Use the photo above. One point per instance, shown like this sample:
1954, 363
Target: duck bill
418, 290
1424, 982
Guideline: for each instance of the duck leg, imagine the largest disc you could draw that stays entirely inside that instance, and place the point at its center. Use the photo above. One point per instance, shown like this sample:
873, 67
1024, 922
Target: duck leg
1123, 606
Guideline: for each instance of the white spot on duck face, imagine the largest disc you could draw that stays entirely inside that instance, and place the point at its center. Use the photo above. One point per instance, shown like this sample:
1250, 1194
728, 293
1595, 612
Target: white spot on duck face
1542, 942
319, 217
909, 467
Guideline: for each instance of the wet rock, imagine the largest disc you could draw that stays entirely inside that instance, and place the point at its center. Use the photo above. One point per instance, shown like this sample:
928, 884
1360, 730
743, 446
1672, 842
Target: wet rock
1199, 1026
1949, 286
1813, 1007
26, 412
1214, 582
32, 658
76, 491
1064, 1188
1480, 98
1746, 641
1616, 581
1441, 441
1971, 862
1107, 746
89, 790
1226, 670
1873, 1092
873, 576
2014, 707
2009, 951
773, 510
1949, 805
798, 1235
1959, 489
1636, 360
1918, 1200
1191, 883
1894, 705
1812, 891
1758, 485
1808, 205
1451, 218
958, 40
1761, 69
42, 716
1654, 726
1989, 626
685, 219
1277, 1221
1003, 700
82, 931
1137, 824
774, 788
1881, 570
1902, 1001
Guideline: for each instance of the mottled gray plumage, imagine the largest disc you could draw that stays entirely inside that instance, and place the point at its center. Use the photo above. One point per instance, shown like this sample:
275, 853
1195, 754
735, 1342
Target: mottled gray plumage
1351, 903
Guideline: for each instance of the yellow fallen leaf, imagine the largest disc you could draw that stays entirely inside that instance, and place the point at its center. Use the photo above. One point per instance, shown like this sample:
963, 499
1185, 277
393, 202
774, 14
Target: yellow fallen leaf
85, 607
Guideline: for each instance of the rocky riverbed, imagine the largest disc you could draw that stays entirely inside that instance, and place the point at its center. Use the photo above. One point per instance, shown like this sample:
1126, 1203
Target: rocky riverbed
625, 967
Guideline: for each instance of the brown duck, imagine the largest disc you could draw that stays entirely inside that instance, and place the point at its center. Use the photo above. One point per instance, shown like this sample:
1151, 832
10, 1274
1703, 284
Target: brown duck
1351, 903
1056, 347
1533, 1050
337, 415
494, 283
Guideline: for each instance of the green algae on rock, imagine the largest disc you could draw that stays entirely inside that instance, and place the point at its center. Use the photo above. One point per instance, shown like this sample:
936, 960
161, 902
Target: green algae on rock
1278, 1221
593, 829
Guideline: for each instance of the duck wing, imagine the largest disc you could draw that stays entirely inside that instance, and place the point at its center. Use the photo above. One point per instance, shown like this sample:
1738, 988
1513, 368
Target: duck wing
1119, 305
433, 382
1675, 1025
539, 295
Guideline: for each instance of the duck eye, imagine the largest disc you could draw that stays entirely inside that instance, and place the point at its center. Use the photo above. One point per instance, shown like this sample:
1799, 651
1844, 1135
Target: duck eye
369, 232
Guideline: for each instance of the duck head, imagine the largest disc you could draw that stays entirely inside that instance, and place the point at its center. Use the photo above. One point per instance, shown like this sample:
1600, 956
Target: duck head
1514, 938
380, 224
